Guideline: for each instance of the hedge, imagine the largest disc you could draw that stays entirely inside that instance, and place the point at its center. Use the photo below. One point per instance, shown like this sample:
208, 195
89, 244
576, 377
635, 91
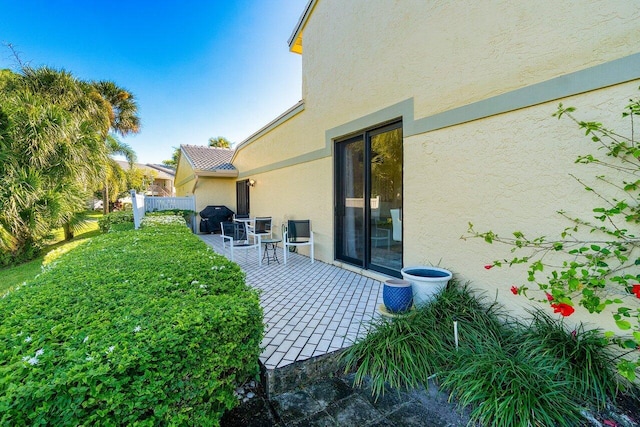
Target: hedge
106, 222
145, 327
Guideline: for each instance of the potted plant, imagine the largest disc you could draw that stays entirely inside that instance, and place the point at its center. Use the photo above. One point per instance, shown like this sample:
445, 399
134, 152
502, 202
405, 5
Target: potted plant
426, 281
397, 295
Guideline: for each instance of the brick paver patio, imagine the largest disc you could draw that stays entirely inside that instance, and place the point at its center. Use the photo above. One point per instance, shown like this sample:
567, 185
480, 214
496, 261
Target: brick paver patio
309, 309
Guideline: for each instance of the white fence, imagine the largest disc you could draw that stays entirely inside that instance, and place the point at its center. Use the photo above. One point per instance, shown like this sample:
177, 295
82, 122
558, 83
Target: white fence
142, 204
137, 203
165, 203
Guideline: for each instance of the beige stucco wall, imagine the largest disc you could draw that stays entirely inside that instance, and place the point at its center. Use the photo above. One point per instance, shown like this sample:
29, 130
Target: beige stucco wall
215, 191
210, 191
302, 191
184, 177
505, 173
297, 137
364, 54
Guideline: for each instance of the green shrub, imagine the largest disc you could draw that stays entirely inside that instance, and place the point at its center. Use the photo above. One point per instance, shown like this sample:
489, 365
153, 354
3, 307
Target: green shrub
23, 254
148, 327
153, 220
405, 351
185, 213
506, 372
511, 383
120, 217
589, 357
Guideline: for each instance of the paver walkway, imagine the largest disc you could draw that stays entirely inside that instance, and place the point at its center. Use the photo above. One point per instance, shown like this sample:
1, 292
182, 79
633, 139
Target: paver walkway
309, 309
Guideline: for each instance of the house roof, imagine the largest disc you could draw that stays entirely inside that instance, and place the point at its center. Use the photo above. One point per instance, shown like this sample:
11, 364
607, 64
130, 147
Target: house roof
163, 168
209, 160
160, 171
295, 41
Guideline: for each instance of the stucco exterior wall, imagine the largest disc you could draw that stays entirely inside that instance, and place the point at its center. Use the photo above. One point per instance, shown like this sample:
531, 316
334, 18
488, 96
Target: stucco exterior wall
207, 190
303, 191
507, 172
215, 191
184, 178
297, 137
361, 55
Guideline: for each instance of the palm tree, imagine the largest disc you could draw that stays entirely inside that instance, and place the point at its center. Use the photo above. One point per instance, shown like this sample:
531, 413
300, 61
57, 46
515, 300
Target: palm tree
175, 157
124, 120
55, 148
219, 142
52, 146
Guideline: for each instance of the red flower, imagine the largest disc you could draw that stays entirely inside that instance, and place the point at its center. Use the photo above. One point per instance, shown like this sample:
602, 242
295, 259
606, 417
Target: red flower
488, 266
549, 296
563, 309
636, 290
514, 290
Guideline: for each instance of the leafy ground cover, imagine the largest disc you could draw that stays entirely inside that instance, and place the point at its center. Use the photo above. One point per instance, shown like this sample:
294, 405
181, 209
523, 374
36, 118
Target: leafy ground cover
507, 372
144, 327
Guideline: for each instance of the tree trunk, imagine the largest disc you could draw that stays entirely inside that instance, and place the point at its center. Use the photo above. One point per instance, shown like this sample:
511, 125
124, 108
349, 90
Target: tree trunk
68, 232
105, 199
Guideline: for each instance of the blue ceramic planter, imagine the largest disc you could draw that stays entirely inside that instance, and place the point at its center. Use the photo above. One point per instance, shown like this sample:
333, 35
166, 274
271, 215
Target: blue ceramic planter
397, 295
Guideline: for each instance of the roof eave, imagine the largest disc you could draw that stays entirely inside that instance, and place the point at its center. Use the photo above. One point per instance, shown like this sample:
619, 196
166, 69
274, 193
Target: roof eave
295, 41
297, 108
218, 173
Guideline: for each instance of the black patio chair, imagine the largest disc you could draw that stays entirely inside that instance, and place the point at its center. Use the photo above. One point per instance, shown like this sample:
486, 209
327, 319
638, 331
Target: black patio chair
236, 235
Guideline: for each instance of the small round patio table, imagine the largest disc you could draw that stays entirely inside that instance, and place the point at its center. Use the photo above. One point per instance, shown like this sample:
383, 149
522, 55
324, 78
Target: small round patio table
271, 245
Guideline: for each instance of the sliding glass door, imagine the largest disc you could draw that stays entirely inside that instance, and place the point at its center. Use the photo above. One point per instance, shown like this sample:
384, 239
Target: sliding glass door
368, 211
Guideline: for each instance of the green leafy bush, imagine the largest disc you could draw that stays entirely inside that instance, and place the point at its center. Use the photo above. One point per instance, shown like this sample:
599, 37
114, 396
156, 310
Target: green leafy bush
506, 372
594, 260
588, 354
120, 217
11, 258
153, 220
148, 327
406, 351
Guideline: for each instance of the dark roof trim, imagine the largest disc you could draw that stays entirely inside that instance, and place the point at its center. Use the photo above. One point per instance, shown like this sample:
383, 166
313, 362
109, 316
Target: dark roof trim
301, 23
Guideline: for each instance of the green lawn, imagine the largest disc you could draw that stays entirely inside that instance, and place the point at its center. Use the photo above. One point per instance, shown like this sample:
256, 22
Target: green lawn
12, 276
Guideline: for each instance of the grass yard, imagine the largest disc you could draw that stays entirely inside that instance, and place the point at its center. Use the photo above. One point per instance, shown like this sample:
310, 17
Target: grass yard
12, 276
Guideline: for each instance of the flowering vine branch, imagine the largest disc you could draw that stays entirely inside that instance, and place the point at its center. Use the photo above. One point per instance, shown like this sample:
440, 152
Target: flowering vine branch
602, 269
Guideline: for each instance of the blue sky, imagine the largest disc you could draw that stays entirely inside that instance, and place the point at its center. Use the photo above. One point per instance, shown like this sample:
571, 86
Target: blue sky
197, 68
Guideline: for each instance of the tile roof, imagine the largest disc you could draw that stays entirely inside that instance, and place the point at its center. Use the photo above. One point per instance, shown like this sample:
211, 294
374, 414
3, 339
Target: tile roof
161, 172
208, 158
164, 168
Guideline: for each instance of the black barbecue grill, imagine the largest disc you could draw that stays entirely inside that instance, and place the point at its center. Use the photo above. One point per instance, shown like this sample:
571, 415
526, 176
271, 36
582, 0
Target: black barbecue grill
212, 216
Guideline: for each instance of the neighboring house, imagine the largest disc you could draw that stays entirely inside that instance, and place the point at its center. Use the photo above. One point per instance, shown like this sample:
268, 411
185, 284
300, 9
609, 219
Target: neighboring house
163, 183
159, 178
418, 117
207, 174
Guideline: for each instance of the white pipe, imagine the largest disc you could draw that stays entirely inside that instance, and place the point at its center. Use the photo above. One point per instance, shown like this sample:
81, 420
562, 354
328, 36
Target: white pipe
455, 332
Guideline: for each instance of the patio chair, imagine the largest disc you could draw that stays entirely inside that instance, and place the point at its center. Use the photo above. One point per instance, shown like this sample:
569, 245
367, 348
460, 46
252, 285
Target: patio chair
297, 233
236, 235
261, 226
396, 221
379, 234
